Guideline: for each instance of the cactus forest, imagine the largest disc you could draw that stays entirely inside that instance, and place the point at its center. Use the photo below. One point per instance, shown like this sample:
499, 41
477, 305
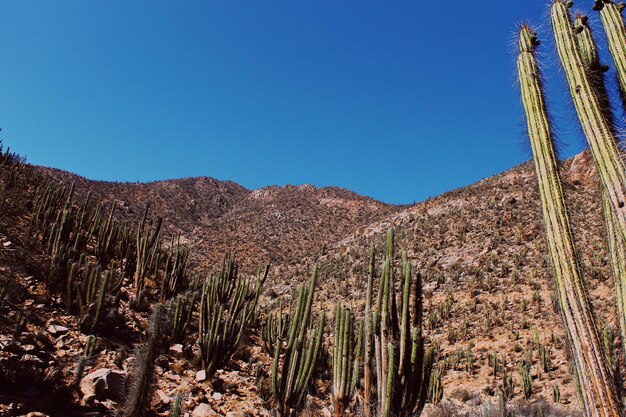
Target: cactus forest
109, 307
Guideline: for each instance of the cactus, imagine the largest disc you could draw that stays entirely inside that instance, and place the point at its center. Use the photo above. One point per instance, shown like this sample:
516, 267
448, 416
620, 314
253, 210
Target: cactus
106, 239
527, 381
617, 245
368, 337
100, 301
435, 387
90, 345
222, 321
177, 406
147, 247
141, 375
175, 274
301, 353
403, 367
507, 388
274, 327
545, 358
615, 30
576, 311
181, 312
596, 126
556, 394
346, 355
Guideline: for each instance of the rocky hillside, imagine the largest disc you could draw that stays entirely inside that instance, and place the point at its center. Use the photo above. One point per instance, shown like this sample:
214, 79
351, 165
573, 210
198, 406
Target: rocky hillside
277, 224
480, 249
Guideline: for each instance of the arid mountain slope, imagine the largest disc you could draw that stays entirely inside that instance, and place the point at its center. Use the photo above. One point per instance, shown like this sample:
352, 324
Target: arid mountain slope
480, 250
277, 224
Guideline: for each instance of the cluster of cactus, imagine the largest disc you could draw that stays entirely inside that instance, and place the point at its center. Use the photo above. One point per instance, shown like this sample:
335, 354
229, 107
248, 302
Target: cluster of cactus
507, 388
8, 158
86, 289
435, 387
227, 305
402, 364
526, 378
181, 314
175, 272
300, 352
147, 253
598, 395
347, 357
545, 358
93, 254
274, 327
141, 375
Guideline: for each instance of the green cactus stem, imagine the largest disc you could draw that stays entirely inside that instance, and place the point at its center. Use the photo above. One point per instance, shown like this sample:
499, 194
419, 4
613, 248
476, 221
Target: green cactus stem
599, 395
615, 29
597, 128
617, 246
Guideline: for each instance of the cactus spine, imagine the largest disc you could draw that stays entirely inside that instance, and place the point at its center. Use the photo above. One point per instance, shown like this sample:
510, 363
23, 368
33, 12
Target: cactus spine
599, 396
615, 30
617, 246
596, 126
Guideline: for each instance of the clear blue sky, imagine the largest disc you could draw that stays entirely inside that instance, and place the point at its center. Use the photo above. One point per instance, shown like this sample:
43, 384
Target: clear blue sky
396, 100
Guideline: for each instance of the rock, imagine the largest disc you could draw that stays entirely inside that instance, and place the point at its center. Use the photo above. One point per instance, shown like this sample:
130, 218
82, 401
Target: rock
176, 350
36, 414
165, 399
57, 329
32, 360
217, 396
237, 414
201, 375
104, 384
12, 347
203, 410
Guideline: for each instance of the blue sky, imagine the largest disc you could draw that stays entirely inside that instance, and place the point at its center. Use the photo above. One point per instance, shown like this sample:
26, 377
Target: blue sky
396, 100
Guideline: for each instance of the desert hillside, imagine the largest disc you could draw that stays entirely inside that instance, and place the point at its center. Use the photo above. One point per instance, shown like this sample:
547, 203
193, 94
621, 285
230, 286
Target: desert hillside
480, 250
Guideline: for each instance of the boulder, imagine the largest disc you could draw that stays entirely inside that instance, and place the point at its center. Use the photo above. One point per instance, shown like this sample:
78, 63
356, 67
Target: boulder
104, 384
204, 410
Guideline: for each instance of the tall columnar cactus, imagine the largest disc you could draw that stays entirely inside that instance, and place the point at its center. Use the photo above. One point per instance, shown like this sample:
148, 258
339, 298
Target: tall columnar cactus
302, 351
346, 353
617, 245
367, 339
147, 250
613, 22
141, 375
274, 328
223, 322
599, 395
403, 366
175, 274
597, 128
